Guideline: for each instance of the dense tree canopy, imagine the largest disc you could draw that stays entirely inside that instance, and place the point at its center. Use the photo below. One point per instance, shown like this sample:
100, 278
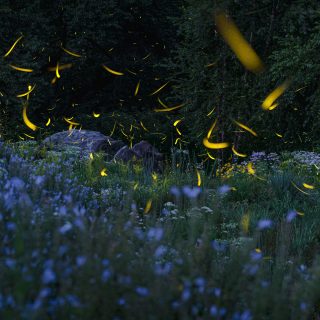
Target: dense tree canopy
151, 43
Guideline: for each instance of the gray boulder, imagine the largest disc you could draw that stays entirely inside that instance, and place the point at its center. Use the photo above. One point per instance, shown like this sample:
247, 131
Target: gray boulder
125, 154
88, 141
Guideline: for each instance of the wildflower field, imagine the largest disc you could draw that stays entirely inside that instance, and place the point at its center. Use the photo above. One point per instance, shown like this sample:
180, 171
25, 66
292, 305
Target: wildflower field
133, 244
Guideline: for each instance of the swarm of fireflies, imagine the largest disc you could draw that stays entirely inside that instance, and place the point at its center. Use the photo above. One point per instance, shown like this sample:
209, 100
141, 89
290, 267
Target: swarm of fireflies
238, 43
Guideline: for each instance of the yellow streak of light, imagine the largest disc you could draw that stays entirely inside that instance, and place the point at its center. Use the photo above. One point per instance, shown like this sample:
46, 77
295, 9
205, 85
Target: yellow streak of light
26, 93
71, 53
26, 120
238, 43
117, 73
237, 153
20, 69
12, 47
246, 128
216, 145
159, 89
274, 95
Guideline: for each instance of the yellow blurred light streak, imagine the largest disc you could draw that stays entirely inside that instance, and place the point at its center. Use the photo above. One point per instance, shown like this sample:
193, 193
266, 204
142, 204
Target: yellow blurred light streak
142, 125
245, 222
179, 133
12, 47
148, 206
211, 129
299, 189
26, 120
308, 186
70, 52
117, 73
146, 57
154, 176
26, 93
279, 135
60, 67
198, 178
57, 71
96, 115
250, 168
209, 114
20, 69
177, 122
71, 122
274, 95
215, 145
169, 109
103, 172
159, 89
238, 153
210, 156
48, 122
137, 89
91, 155
31, 137
246, 128
135, 186
238, 43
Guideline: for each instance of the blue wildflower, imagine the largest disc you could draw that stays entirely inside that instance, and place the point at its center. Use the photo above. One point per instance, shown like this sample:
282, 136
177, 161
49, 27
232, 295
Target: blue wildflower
191, 193
219, 246
142, 291
48, 276
155, 234
106, 274
264, 224
291, 215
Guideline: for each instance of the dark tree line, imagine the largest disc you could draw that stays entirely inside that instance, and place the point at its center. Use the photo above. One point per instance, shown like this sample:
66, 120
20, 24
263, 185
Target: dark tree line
151, 43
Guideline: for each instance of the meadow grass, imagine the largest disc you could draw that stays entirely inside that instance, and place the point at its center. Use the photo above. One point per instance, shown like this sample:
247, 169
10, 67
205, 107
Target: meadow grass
140, 245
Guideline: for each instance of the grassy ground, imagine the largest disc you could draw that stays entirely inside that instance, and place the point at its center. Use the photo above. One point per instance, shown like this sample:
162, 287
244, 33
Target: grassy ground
137, 245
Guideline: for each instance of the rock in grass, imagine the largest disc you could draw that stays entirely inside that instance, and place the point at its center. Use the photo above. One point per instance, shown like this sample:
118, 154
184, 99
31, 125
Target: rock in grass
88, 141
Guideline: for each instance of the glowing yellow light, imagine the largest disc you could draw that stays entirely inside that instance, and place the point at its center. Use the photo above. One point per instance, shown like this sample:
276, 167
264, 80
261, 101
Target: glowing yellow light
12, 47
57, 71
142, 125
159, 89
279, 135
71, 53
26, 93
96, 115
148, 206
103, 172
211, 129
308, 186
48, 122
199, 178
274, 95
245, 222
117, 73
176, 122
238, 43
91, 155
216, 145
60, 67
20, 69
26, 120
299, 188
246, 128
237, 153
137, 89
135, 186
250, 168
169, 109
209, 114
154, 176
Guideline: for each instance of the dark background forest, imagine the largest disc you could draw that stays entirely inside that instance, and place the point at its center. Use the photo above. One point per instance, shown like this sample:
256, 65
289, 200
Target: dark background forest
153, 43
